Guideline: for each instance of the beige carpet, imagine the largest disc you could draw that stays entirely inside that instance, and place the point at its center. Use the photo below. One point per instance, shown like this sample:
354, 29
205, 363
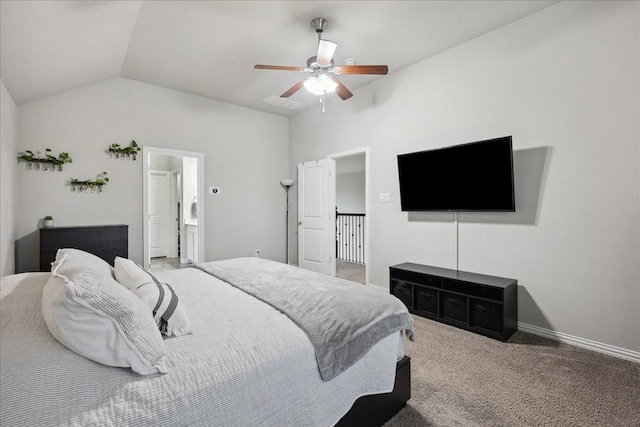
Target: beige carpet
350, 271
463, 379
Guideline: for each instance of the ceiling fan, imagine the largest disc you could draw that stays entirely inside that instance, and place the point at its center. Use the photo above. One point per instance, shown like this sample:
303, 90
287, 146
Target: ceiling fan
322, 79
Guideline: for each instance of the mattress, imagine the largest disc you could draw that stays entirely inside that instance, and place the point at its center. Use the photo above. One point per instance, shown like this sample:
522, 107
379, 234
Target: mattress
246, 364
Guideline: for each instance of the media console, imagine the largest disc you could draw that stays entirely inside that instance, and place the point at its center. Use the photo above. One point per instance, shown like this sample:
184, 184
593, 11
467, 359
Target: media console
482, 304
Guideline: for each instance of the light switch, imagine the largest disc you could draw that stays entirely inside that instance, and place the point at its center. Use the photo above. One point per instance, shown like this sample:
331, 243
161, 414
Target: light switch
383, 198
214, 190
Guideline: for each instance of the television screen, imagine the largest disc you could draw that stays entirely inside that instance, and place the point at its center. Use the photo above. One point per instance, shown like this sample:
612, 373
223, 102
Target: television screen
470, 177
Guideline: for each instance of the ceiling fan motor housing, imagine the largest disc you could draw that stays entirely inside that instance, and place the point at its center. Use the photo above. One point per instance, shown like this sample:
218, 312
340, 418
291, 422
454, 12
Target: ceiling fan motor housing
319, 24
312, 64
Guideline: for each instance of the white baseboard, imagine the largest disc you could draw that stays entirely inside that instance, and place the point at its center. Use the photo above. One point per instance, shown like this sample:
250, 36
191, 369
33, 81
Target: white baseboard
379, 288
611, 350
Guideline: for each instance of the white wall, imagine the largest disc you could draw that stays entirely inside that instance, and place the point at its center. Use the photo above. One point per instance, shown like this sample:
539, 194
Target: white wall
245, 153
8, 179
350, 192
565, 83
160, 162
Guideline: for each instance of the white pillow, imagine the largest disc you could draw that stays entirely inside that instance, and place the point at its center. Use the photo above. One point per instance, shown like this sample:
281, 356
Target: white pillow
168, 311
84, 259
86, 310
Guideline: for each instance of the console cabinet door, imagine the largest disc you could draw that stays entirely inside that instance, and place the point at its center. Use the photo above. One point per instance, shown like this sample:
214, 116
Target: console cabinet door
487, 315
427, 300
404, 292
454, 307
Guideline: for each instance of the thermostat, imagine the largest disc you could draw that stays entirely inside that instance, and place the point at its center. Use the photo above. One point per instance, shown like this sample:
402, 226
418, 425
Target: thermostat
214, 190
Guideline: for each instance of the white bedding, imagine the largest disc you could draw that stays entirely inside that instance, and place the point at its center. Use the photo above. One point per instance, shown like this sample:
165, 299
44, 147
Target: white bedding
246, 364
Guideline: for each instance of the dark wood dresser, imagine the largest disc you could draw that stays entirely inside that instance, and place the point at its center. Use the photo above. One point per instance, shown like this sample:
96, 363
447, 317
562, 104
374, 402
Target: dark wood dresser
104, 241
486, 305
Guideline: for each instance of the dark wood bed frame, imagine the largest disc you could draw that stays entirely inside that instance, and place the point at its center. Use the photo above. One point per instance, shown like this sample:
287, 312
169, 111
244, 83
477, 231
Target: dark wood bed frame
376, 409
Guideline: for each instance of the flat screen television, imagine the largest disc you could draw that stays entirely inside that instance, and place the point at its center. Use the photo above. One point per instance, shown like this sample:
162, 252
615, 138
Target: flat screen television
477, 176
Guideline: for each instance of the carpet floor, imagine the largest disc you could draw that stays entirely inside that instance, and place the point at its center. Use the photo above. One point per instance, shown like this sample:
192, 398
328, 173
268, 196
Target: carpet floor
350, 271
463, 379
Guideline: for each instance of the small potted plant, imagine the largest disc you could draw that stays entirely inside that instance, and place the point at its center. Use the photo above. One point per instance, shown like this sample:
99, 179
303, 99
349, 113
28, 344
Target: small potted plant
133, 149
48, 221
48, 161
28, 157
62, 159
129, 152
101, 180
114, 149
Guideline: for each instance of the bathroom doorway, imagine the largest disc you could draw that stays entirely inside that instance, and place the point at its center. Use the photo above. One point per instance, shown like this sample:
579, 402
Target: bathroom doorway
172, 185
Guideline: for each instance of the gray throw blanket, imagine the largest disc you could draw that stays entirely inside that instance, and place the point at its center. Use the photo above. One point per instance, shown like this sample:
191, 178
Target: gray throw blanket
342, 319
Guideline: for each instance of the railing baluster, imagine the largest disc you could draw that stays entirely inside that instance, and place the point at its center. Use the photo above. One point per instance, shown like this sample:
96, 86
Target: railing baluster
350, 234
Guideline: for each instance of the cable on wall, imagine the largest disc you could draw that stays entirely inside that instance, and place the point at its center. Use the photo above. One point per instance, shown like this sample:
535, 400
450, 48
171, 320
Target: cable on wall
455, 220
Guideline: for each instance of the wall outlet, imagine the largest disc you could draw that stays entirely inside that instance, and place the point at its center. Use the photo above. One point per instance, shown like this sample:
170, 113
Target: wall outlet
214, 190
257, 253
383, 197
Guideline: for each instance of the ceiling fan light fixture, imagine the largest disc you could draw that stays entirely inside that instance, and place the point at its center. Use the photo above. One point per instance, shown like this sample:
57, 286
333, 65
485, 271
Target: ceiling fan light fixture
319, 85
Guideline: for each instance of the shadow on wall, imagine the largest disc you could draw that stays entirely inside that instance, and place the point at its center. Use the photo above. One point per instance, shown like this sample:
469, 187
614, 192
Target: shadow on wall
529, 312
529, 169
27, 253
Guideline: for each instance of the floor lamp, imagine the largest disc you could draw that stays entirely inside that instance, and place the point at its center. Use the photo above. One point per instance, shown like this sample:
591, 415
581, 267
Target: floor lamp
287, 183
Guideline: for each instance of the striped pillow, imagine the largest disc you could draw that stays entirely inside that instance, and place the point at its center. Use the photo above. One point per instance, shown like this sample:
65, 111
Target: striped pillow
168, 312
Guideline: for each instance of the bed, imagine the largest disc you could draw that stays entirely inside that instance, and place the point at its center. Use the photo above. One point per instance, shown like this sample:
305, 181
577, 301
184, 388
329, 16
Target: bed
245, 364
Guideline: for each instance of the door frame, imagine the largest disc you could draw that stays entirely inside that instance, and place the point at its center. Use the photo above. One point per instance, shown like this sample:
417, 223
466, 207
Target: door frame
367, 199
174, 214
146, 152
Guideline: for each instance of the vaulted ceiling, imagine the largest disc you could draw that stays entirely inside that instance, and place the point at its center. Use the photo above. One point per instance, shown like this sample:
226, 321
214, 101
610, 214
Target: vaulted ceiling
209, 48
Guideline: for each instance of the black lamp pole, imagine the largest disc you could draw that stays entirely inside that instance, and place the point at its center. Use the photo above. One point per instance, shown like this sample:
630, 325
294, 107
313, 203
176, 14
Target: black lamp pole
287, 183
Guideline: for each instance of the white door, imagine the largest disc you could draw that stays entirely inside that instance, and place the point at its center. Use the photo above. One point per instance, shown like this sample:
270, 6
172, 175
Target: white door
159, 214
316, 211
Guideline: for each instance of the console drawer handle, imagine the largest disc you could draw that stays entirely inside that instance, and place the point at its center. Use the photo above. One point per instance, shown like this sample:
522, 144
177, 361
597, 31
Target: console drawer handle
453, 301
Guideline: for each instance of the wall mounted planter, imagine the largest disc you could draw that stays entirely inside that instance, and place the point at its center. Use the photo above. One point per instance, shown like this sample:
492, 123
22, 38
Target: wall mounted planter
130, 152
46, 162
88, 185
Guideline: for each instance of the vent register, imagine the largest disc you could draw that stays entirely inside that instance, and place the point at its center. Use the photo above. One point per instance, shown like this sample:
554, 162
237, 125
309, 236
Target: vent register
282, 102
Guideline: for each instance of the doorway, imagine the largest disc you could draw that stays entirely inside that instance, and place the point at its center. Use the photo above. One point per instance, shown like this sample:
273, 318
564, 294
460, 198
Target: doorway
351, 208
320, 246
172, 184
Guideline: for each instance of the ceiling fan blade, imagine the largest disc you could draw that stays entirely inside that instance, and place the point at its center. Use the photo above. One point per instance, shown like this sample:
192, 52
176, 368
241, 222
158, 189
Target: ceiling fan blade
361, 69
296, 87
341, 89
278, 67
326, 49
